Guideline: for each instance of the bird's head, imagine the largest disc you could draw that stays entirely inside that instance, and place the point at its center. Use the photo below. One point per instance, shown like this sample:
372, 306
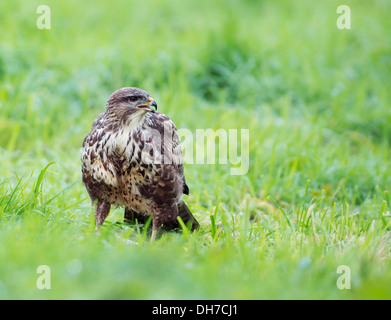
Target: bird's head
130, 100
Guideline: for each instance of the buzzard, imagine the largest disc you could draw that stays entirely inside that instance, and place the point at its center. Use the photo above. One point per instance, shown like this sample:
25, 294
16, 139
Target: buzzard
132, 157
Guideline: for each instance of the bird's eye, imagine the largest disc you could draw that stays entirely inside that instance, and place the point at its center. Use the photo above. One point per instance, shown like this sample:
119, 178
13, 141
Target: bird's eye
133, 98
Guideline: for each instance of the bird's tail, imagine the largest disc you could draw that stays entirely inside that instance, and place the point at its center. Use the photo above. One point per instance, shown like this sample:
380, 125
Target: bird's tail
187, 216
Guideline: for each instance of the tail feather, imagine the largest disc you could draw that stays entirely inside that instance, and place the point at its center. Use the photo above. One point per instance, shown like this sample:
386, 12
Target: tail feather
187, 216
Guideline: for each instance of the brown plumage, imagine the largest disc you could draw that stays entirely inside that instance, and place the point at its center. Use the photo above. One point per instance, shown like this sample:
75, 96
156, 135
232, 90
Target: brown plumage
132, 157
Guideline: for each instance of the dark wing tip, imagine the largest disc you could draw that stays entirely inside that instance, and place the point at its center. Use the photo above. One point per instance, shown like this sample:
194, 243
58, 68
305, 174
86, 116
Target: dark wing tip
186, 190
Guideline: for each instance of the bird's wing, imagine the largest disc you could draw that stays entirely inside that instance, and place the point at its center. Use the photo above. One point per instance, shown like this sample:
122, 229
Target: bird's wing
168, 143
97, 168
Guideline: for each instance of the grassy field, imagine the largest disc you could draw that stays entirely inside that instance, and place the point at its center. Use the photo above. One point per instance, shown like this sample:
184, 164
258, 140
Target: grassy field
316, 101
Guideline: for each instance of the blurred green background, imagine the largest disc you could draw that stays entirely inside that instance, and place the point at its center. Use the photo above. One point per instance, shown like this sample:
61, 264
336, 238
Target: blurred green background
316, 101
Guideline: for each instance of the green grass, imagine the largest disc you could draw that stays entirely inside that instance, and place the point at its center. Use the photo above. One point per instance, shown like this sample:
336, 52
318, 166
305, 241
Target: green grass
315, 99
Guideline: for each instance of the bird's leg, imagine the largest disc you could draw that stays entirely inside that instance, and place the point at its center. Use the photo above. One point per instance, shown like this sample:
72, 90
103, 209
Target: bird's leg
102, 211
156, 224
154, 232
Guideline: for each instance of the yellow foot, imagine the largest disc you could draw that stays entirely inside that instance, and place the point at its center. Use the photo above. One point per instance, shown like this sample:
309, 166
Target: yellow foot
153, 237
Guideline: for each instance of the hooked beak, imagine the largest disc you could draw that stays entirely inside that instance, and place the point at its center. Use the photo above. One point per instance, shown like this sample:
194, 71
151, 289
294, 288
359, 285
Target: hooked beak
148, 107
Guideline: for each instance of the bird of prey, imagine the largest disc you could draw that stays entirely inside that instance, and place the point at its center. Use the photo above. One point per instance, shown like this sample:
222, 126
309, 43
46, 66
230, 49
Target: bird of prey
132, 157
